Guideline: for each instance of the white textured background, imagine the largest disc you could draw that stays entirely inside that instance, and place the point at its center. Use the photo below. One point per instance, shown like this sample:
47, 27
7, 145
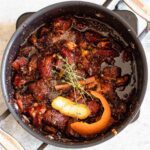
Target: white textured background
135, 137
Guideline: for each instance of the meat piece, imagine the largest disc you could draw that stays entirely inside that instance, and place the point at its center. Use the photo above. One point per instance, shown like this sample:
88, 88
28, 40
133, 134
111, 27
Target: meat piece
53, 95
83, 44
104, 45
37, 120
91, 67
44, 31
24, 101
33, 39
94, 107
19, 81
39, 89
36, 112
112, 72
36, 109
108, 90
19, 62
92, 36
85, 63
45, 42
79, 36
122, 81
106, 87
94, 67
49, 129
28, 51
105, 53
45, 67
32, 65
37, 42
61, 25
68, 54
70, 131
53, 117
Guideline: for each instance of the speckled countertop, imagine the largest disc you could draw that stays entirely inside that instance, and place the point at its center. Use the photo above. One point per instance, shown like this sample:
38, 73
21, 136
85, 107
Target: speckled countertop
135, 137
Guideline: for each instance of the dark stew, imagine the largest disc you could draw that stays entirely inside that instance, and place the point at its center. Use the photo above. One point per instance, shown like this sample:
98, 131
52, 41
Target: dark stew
73, 79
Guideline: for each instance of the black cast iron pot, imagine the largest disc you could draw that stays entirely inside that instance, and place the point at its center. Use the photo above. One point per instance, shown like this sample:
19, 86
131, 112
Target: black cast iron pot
79, 8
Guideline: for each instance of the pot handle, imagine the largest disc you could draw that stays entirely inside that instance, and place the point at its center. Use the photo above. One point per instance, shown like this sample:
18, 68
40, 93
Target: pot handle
142, 10
8, 142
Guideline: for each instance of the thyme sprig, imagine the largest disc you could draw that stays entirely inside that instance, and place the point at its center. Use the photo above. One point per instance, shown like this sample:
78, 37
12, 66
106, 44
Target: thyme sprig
71, 77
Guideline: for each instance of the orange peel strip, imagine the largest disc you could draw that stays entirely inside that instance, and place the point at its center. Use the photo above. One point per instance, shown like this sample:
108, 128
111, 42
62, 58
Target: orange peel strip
84, 128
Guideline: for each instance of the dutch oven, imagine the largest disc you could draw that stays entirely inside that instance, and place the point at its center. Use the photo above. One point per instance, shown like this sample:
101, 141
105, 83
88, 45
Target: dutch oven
78, 8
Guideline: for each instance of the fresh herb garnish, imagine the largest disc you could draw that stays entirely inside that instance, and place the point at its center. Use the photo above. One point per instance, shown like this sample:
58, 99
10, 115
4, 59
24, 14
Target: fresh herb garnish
71, 77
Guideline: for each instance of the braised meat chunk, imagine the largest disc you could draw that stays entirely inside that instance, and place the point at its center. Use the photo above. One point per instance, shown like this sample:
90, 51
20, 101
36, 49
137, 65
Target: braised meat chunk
19, 62
111, 72
39, 89
45, 66
53, 117
24, 101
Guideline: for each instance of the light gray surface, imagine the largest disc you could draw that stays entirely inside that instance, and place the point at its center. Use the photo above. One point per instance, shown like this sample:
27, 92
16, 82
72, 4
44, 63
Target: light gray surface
25, 139
135, 137
1, 148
